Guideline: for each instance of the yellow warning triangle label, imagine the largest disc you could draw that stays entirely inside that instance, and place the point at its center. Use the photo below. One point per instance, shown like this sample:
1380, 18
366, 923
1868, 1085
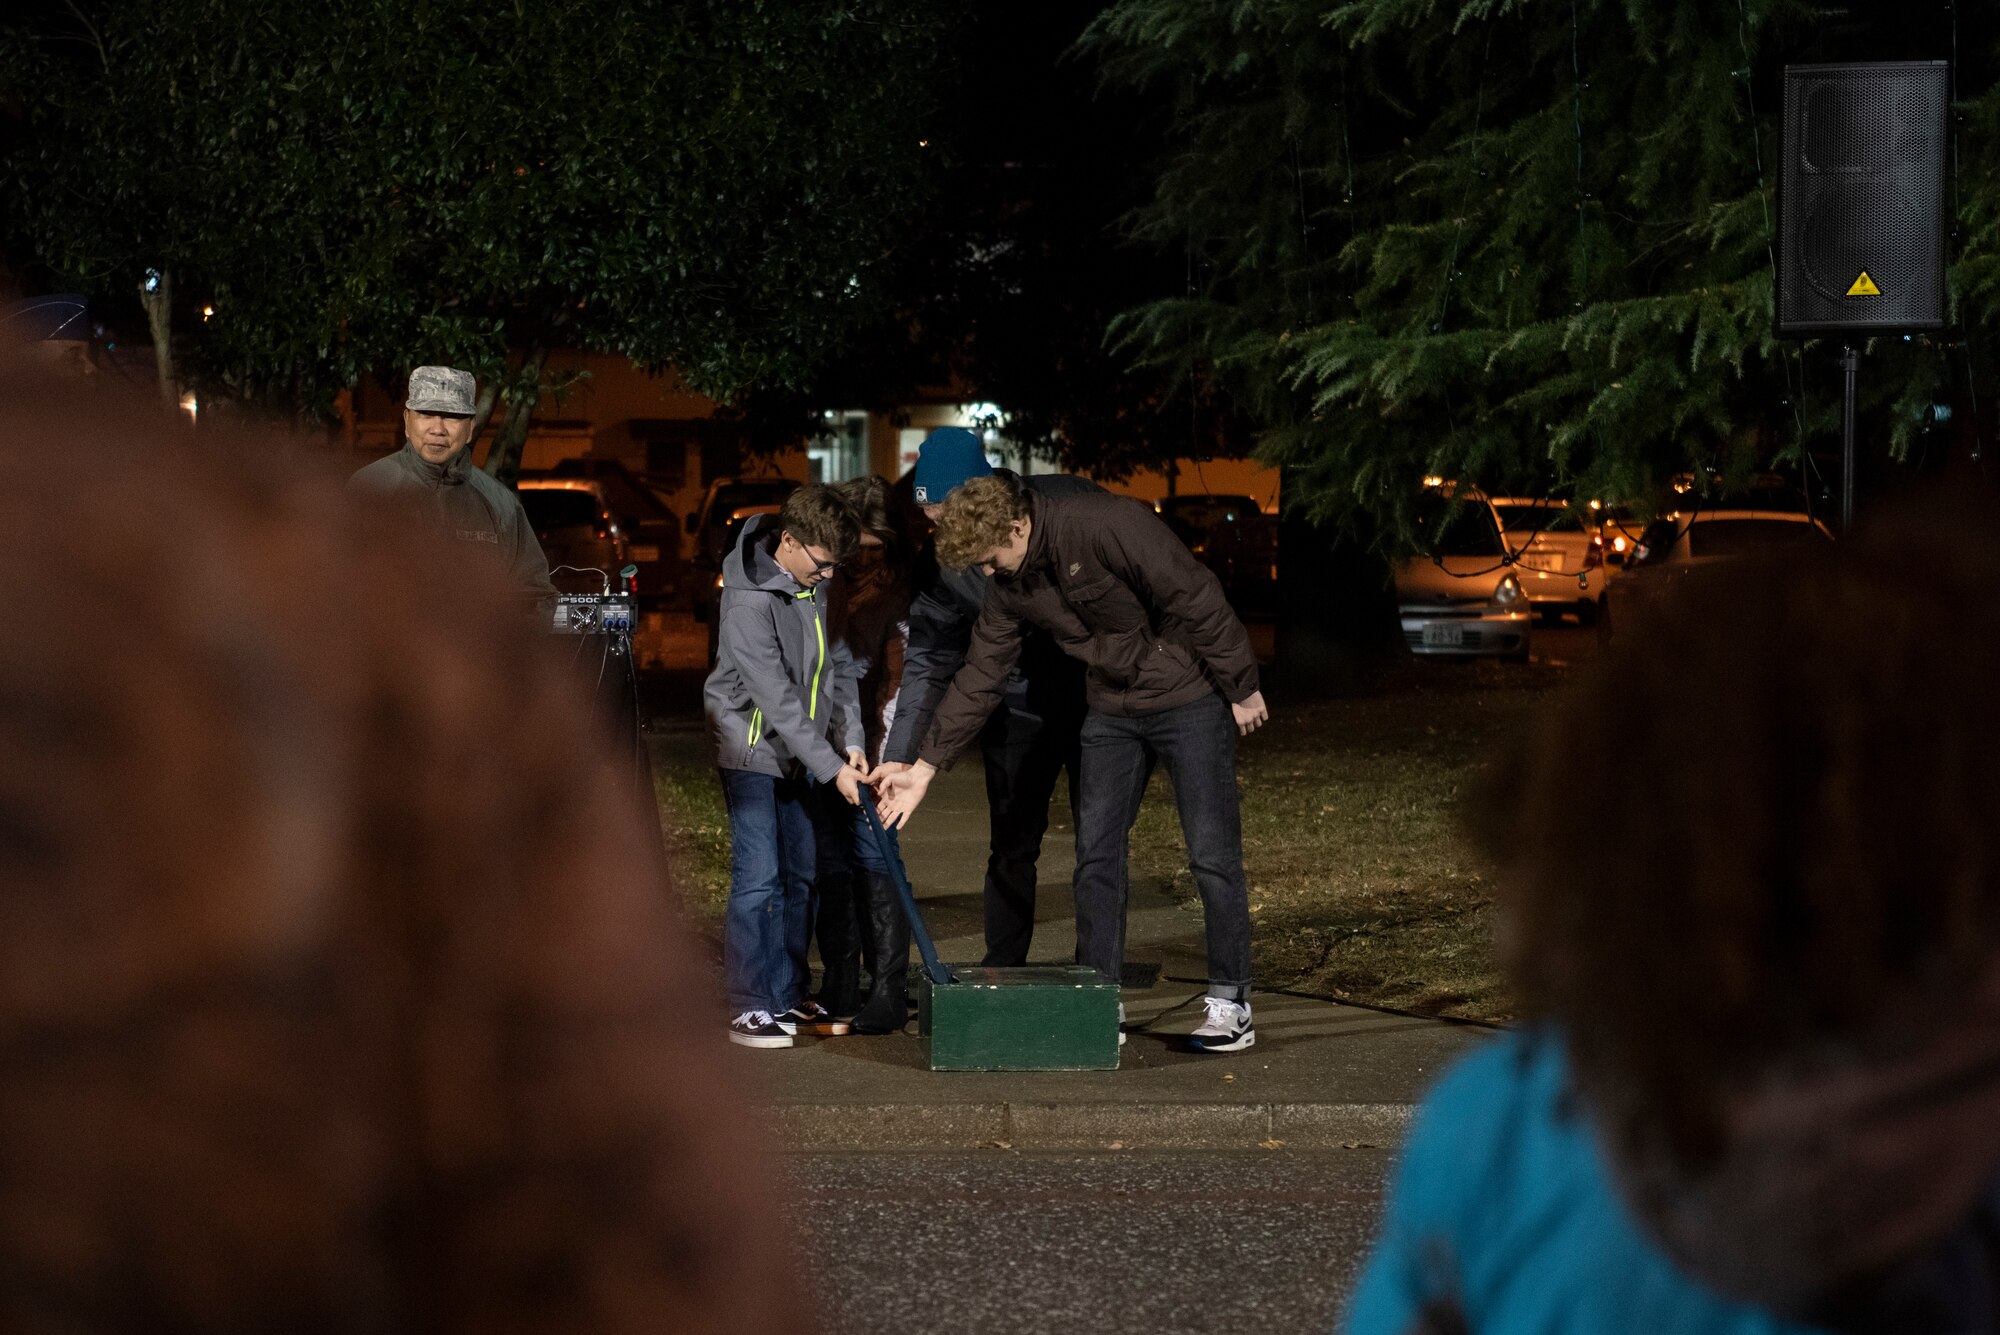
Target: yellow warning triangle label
1864, 286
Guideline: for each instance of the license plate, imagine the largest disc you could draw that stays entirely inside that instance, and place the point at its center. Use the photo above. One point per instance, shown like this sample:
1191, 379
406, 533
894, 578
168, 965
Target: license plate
645, 553
1444, 637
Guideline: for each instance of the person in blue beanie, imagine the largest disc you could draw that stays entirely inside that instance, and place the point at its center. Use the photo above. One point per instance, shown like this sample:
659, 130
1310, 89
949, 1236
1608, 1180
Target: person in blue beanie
1759, 1089
1032, 740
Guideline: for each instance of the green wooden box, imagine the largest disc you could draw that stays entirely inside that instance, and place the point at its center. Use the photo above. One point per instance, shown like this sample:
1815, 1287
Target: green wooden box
1044, 1017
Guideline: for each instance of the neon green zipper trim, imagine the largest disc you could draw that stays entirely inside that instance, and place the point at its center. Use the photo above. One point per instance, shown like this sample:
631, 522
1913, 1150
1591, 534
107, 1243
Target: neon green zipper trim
819, 629
812, 702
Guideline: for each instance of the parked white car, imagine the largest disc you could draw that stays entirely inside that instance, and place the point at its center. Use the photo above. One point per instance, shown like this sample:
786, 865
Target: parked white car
1558, 555
1464, 597
1678, 543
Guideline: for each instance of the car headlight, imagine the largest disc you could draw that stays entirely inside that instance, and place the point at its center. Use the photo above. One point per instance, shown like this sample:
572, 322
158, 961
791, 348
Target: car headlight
1507, 593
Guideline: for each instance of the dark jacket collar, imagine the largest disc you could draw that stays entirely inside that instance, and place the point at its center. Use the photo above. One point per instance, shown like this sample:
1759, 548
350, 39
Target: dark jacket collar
1041, 547
450, 473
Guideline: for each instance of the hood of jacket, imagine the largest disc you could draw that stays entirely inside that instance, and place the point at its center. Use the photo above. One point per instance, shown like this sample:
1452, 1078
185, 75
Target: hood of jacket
752, 565
1856, 1185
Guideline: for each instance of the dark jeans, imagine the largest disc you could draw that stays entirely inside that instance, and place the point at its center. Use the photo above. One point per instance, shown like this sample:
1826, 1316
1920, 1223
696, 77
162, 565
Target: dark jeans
1024, 757
771, 867
1197, 744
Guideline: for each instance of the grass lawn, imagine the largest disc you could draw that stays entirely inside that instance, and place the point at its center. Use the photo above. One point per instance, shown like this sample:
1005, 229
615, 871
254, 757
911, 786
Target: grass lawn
1360, 886
696, 829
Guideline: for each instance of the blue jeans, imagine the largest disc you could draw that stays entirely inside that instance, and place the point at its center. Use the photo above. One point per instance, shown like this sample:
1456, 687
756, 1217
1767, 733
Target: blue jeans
771, 867
1197, 744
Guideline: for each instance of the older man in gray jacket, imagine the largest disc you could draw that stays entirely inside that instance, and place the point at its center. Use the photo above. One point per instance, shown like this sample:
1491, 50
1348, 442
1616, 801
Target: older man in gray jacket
432, 480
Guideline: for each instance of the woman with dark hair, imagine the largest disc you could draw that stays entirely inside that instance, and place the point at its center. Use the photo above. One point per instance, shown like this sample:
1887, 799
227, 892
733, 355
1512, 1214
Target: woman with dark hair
1761, 1089
858, 919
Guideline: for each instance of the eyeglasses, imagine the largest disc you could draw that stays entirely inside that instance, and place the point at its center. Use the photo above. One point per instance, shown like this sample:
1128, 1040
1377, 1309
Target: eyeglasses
819, 567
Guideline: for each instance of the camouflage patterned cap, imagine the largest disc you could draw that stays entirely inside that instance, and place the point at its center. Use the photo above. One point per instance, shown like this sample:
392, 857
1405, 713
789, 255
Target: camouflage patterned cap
439, 389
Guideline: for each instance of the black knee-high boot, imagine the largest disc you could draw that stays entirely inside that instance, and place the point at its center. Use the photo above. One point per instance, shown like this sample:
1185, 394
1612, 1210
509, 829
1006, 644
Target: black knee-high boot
839, 944
888, 1006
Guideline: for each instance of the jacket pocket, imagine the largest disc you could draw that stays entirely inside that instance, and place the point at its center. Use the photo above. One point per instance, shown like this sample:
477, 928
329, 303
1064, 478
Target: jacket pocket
1105, 605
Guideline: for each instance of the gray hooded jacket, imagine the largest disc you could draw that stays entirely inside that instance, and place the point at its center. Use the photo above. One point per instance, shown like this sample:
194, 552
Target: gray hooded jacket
781, 699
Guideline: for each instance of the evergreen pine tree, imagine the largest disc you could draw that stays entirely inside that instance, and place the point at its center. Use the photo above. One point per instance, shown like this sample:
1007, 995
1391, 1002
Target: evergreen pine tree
1525, 243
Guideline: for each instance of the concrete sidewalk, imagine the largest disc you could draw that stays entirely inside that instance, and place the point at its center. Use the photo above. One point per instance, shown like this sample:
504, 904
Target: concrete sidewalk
1322, 1074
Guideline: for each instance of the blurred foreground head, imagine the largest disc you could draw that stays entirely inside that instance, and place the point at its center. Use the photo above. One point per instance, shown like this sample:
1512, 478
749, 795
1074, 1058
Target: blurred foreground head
338, 988
1752, 871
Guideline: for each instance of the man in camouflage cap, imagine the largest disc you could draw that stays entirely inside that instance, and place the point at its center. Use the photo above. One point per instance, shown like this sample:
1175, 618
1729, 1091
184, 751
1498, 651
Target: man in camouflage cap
433, 479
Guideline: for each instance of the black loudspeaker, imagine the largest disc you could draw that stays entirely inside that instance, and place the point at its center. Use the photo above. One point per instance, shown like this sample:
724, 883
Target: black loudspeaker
1861, 204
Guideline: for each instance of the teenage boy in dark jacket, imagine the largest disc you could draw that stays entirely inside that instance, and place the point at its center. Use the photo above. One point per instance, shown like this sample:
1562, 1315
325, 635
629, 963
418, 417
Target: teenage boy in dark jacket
1031, 738
785, 716
1170, 679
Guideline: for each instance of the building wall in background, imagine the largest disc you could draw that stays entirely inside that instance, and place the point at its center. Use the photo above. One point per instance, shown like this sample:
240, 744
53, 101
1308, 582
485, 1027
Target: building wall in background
673, 438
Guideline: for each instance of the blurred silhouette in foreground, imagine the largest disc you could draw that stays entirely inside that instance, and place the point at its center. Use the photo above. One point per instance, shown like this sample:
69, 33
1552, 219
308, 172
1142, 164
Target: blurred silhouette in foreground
1750, 876
338, 987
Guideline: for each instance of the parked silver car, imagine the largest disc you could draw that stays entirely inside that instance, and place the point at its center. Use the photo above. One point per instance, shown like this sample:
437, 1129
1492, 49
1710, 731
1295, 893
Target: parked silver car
573, 519
1464, 596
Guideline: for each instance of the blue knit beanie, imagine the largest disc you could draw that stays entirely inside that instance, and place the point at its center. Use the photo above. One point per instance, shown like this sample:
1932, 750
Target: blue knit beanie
949, 458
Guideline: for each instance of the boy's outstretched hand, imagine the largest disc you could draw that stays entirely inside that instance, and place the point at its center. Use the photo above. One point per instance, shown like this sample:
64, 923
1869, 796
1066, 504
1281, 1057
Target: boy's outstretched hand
901, 792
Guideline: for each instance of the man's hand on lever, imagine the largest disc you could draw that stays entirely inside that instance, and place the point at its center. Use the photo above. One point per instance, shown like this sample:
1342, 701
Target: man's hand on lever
901, 791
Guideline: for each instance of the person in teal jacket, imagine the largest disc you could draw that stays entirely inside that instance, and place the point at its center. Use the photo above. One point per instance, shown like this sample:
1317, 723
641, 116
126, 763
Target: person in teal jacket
1760, 1089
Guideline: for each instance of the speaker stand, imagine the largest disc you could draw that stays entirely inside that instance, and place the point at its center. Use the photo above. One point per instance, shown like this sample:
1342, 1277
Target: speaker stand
1850, 371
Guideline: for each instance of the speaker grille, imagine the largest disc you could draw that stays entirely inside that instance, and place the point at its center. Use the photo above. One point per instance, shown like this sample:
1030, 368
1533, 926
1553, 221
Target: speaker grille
1839, 139
1854, 230
1861, 191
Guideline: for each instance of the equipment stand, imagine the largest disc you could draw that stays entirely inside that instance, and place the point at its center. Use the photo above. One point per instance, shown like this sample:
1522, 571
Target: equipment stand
1850, 370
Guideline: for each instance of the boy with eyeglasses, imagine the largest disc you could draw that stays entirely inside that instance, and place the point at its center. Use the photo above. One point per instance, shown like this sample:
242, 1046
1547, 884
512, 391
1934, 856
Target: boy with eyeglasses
785, 717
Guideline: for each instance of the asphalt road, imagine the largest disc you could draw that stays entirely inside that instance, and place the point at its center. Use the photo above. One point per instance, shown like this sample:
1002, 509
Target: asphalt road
999, 1241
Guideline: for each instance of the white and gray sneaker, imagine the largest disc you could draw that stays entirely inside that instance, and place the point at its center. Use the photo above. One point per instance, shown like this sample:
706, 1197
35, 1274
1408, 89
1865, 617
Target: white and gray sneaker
756, 1029
1227, 1028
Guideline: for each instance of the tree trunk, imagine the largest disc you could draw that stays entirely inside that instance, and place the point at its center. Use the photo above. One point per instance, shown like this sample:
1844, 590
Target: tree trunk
159, 304
482, 412
1337, 622
503, 461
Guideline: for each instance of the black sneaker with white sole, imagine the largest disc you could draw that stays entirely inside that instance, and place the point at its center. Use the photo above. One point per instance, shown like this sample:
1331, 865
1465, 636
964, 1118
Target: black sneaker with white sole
809, 1017
756, 1029
1227, 1028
